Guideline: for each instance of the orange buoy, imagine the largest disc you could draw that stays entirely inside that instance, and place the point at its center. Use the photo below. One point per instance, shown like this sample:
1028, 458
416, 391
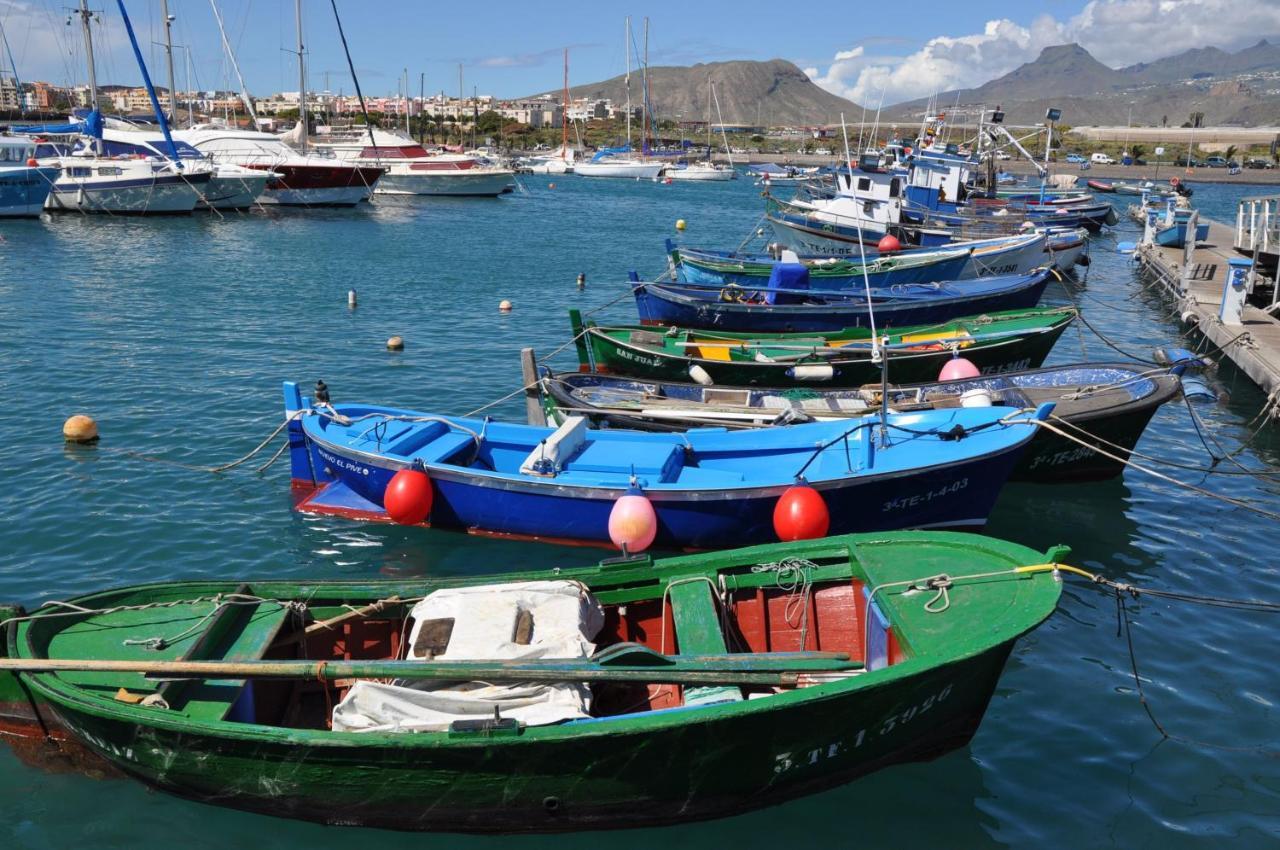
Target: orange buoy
80, 429
888, 244
551, 185
33, 163
801, 513
633, 523
408, 497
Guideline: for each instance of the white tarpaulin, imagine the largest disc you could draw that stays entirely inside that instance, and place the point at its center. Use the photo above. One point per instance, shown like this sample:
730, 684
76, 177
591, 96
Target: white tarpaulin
543, 619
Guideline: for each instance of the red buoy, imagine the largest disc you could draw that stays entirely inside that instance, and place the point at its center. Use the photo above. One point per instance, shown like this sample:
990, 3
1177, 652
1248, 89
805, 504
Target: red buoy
801, 514
33, 163
888, 244
408, 497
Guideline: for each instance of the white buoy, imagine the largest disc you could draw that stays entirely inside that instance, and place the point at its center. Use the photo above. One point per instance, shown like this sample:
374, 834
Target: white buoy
700, 375
504, 306
351, 298
812, 372
396, 343
582, 280
80, 429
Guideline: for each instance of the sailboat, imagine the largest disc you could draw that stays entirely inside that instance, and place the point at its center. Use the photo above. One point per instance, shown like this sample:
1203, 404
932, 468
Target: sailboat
706, 169
296, 178
615, 162
93, 181
558, 161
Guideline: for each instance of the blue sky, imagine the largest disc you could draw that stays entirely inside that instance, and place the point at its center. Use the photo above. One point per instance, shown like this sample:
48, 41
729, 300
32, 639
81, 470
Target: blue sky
513, 48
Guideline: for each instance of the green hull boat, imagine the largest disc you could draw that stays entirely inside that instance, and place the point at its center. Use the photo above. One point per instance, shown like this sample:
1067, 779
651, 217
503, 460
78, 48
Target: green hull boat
1008, 341
706, 684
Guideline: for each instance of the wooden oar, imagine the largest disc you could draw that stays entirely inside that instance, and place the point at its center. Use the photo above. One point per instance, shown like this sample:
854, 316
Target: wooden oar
746, 669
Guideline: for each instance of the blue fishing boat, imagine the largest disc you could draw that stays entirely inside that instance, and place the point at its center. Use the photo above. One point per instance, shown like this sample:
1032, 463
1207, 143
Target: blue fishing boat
24, 183
1175, 235
786, 303
709, 487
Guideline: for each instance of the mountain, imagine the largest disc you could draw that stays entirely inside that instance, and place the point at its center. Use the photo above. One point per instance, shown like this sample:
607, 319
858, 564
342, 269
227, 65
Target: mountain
772, 93
1068, 77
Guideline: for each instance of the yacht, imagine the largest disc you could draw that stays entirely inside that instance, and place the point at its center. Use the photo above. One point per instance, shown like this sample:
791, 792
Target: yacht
411, 169
231, 186
24, 183
295, 179
700, 171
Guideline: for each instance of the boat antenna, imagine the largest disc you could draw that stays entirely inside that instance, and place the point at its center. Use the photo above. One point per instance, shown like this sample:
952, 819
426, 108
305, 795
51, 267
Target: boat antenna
146, 79
422, 109
564, 115
226, 46
877, 356
168, 55
359, 95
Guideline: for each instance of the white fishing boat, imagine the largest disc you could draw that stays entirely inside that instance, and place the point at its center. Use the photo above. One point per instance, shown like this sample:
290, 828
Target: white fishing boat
24, 183
410, 168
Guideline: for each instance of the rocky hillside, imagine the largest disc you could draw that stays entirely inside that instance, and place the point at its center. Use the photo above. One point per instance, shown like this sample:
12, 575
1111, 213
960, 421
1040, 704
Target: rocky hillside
1229, 88
769, 93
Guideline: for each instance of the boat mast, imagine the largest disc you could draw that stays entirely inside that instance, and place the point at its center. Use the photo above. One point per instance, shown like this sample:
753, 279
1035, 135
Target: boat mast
407, 131
724, 134
627, 80
564, 116
168, 55
644, 83
85, 14
226, 46
302, 80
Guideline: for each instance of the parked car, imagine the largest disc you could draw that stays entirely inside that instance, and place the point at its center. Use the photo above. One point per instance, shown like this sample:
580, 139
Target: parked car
1002, 155
1216, 162
1075, 157
1102, 159
1259, 162
1191, 162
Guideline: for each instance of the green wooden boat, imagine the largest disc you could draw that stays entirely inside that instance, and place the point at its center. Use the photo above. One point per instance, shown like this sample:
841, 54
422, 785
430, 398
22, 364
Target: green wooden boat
1008, 341
713, 683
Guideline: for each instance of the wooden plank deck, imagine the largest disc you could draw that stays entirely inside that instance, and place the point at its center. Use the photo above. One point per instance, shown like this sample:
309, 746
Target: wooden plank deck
1254, 345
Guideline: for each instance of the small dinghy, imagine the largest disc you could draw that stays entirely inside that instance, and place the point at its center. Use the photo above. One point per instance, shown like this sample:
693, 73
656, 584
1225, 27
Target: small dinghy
628, 694
707, 488
1106, 404
997, 342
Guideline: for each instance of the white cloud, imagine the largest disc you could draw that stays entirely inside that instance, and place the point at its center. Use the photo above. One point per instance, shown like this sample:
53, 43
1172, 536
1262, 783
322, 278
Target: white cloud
1116, 32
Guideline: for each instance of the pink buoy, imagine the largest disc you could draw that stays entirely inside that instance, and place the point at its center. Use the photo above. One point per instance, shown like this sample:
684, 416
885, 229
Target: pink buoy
633, 524
408, 497
801, 513
888, 245
957, 369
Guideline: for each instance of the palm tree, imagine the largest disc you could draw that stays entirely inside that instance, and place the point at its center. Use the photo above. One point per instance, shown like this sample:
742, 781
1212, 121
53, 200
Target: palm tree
1136, 151
1230, 153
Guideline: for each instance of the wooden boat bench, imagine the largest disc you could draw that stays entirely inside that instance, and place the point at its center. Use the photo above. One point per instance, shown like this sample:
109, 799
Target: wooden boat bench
236, 632
432, 442
698, 632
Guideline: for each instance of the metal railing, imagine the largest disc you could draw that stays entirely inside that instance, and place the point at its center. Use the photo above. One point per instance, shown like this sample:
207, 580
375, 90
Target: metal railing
1258, 224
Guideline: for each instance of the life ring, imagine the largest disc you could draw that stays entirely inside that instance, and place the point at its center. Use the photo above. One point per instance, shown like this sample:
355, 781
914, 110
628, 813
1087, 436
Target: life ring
732, 294
1174, 182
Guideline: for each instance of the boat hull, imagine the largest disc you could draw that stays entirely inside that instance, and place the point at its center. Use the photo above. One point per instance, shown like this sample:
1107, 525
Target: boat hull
1011, 354
668, 305
233, 191
710, 175
318, 186
463, 183
23, 191
161, 194
1049, 458
625, 170
630, 775
952, 495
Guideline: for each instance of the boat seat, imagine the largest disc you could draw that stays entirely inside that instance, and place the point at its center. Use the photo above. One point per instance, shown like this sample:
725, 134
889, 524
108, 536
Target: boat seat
550, 456
656, 460
235, 633
698, 632
432, 442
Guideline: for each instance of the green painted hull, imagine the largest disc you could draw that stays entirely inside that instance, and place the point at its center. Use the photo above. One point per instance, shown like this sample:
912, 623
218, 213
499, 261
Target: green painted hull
627, 770
1011, 342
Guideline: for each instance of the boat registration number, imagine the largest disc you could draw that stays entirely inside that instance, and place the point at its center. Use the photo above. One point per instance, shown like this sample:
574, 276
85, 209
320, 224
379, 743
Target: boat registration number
786, 762
925, 497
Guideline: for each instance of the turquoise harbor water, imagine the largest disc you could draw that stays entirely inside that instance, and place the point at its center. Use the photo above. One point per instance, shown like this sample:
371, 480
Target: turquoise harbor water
175, 335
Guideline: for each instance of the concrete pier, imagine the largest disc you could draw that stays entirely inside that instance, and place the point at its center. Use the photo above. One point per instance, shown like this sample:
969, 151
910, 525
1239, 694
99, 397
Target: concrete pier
1199, 279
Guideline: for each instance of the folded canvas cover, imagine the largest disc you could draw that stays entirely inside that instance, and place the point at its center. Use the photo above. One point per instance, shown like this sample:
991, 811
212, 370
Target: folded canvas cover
528, 620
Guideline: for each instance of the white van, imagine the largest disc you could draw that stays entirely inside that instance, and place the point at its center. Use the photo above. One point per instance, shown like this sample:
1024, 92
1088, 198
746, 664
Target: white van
1101, 159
